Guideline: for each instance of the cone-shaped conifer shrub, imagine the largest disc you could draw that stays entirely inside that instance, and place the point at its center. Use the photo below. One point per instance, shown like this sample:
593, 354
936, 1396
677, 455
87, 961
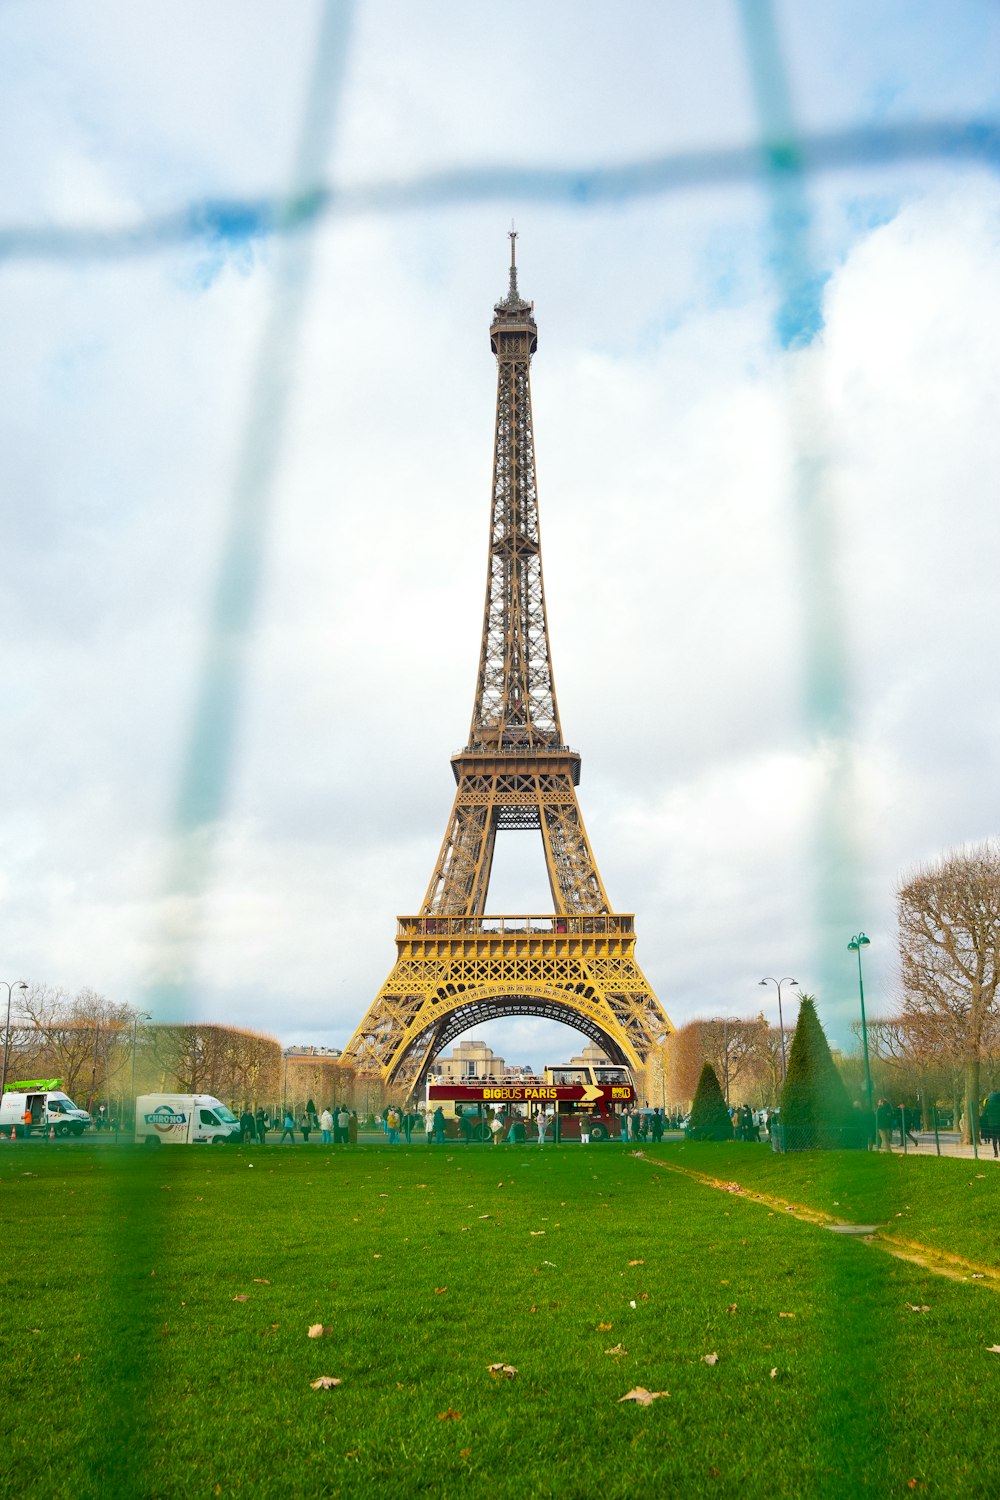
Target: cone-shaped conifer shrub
709, 1114
815, 1106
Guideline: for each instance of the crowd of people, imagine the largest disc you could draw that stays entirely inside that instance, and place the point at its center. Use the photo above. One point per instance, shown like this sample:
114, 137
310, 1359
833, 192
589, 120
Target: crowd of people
336, 1125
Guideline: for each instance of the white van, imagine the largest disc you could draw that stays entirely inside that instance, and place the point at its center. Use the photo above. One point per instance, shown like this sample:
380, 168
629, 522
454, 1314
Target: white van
38, 1107
183, 1119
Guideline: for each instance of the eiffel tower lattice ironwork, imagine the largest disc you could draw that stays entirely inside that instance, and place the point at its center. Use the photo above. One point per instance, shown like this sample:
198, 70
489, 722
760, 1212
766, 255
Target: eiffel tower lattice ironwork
457, 967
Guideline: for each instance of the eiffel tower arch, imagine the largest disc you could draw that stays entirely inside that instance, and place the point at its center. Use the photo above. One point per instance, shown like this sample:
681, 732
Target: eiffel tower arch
455, 965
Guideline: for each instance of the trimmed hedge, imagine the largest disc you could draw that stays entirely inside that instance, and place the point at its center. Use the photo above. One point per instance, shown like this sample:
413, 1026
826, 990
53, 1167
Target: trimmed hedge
709, 1113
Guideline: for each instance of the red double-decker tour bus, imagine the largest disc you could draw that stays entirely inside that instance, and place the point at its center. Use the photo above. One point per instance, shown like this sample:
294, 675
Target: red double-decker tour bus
576, 1099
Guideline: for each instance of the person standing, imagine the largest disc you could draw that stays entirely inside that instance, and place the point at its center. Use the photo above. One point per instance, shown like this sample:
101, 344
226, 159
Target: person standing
287, 1127
496, 1127
883, 1124
261, 1123
247, 1126
326, 1126
989, 1122
543, 1125
305, 1125
657, 1126
439, 1137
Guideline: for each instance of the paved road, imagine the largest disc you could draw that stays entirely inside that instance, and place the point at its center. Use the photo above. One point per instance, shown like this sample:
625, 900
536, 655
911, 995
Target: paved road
949, 1143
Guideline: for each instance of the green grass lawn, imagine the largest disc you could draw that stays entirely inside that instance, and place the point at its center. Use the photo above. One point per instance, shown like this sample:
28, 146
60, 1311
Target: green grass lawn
949, 1204
132, 1370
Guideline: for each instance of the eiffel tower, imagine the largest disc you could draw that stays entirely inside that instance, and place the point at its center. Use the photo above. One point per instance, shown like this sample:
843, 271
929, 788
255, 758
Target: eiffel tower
457, 967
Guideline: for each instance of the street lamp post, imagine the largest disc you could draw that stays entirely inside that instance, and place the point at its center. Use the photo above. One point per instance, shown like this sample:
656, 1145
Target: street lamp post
140, 1015
781, 1020
855, 946
726, 1022
19, 984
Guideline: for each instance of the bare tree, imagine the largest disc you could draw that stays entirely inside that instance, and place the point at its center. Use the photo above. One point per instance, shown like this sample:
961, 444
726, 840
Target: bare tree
747, 1053
235, 1065
949, 940
83, 1039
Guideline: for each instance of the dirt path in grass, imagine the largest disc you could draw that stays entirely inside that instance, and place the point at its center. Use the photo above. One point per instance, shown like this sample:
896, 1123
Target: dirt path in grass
939, 1262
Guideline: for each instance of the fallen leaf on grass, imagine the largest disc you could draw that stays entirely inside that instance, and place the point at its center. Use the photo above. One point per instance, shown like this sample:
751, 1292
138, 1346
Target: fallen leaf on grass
439, 1289
318, 1330
710, 1359
242, 1297
465, 1452
637, 1262
536, 1232
774, 1373
261, 1281
604, 1327
449, 1416
731, 1308
532, 1308
618, 1349
325, 1383
641, 1396
376, 1256
786, 1315
993, 1348
918, 1307
508, 1372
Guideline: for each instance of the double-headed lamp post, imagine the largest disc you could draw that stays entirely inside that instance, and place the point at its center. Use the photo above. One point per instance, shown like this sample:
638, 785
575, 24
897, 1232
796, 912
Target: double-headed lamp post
18, 984
855, 946
781, 1020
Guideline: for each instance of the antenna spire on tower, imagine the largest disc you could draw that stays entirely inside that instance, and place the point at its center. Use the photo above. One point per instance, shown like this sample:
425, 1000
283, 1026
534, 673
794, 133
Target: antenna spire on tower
512, 236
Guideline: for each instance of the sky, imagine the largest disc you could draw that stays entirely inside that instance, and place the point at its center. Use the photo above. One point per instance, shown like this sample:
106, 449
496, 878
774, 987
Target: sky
248, 259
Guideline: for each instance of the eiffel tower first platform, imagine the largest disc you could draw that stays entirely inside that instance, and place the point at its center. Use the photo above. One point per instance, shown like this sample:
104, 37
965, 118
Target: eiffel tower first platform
455, 966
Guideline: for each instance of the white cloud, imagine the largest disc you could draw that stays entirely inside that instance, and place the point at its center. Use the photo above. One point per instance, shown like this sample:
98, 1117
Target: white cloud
673, 567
